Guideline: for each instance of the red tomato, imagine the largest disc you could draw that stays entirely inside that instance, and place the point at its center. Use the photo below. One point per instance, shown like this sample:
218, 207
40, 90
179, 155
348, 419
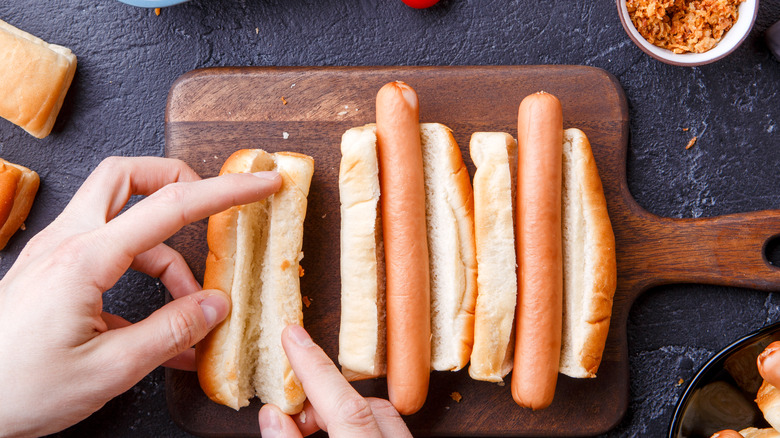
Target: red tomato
420, 4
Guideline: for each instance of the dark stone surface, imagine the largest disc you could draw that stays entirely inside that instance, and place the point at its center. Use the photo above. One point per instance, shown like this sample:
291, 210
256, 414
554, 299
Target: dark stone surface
128, 59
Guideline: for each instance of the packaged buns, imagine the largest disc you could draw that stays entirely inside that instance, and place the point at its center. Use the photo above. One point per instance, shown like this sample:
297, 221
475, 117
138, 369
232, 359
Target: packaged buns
254, 255
34, 78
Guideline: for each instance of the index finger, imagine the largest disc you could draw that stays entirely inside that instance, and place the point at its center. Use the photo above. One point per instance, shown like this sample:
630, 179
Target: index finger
344, 412
108, 188
163, 213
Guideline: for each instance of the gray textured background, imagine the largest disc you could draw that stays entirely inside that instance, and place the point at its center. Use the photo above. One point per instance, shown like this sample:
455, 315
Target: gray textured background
128, 59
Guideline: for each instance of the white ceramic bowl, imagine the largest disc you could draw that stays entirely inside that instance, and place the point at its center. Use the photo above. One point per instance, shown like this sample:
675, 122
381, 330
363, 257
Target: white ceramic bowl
733, 38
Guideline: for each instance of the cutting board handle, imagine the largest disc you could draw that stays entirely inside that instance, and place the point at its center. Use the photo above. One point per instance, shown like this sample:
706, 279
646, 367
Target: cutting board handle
725, 250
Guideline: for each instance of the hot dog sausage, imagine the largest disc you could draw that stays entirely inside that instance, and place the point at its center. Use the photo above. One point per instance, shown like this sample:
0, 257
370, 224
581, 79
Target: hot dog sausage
406, 246
539, 251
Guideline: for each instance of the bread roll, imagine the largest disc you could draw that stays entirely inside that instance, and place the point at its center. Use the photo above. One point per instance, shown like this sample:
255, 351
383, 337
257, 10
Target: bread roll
589, 267
495, 156
449, 211
34, 78
18, 186
362, 352
254, 255
768, 400
754, 432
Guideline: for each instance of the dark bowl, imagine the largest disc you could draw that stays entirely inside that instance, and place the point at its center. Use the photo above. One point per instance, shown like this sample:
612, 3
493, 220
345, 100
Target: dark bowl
721, 395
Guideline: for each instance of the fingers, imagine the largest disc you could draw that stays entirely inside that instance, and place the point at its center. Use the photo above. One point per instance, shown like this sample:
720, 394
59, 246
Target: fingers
769, 364
168, 265
185, 361
137, 349
110, 185
160, 215
275, 423
388, 419
342, 410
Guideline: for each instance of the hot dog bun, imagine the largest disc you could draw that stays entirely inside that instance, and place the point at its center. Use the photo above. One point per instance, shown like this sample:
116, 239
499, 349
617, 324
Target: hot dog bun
449, 211
753, 432
768, 400
589, 267
495, 156
254, 255
18, 186
362, 334
34, 78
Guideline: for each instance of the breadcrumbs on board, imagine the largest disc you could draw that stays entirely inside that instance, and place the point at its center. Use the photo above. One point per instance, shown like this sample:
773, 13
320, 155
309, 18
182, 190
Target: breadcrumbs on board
456, 396
284, 101
301, 272
23, 227
691, 143
683, 25
157, 11
680, 381
306, 301
685, 129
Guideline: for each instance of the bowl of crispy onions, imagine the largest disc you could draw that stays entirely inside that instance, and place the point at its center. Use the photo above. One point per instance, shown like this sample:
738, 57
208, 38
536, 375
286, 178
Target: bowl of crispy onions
687, 32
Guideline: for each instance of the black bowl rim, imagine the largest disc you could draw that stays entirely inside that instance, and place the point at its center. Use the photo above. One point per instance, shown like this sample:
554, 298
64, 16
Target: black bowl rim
682, 403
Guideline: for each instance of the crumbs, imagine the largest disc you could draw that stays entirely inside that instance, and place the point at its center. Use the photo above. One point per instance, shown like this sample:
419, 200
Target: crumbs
284, 101
306, 301
301, 272
456, 396
157, 11
691, 143
680, 381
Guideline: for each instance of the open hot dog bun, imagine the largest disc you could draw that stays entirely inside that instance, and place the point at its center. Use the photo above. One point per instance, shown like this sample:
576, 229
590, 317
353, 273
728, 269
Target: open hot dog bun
254, 255
452, 253
449, 211
362, 353
18, 186
495, 156
589, 267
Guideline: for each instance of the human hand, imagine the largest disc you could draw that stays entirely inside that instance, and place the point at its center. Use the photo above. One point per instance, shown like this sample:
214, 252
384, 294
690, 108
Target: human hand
333, 404
61, 356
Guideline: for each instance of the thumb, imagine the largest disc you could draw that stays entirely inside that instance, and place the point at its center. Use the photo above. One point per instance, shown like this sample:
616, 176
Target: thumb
170, 330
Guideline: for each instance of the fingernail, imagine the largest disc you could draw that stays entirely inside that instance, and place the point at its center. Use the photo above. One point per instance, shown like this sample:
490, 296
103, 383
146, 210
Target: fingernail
215, 309
267, 175
299, 335
271, 426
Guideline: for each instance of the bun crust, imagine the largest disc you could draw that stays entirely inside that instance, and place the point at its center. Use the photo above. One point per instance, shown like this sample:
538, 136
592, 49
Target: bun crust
254, 255
589, 274
34, 78
18, 186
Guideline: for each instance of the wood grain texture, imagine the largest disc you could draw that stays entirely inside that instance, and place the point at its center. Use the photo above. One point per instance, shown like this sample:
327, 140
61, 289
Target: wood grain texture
213, 112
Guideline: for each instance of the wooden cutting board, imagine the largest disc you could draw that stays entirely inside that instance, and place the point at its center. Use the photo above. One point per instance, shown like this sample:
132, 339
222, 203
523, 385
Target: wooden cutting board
213, 112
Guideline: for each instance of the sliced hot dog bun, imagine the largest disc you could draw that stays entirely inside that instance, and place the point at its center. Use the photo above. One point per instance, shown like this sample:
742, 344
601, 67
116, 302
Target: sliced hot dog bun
362, 334
589, 270
495, 156
768, 400
18, 186
254, 255
753, 432
449, 209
